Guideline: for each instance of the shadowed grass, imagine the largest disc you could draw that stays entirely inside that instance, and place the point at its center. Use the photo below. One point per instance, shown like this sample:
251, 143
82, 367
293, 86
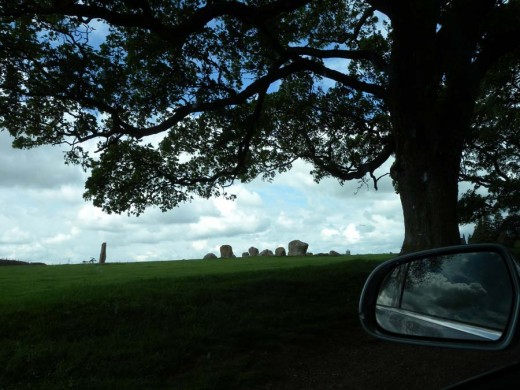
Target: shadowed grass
171, 325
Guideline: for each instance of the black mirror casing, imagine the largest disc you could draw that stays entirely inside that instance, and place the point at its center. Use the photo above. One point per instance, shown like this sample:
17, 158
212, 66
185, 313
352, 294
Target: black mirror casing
373, 285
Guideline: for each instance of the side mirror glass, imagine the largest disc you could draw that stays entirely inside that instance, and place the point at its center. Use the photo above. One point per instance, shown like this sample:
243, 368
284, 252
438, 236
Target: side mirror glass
465, 296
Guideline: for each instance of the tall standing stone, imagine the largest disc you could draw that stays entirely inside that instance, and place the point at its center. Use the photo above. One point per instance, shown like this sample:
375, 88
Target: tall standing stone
103, 254
253, 251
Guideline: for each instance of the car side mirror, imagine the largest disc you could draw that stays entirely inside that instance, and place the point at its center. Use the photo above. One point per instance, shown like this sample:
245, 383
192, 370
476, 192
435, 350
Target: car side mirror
464, 296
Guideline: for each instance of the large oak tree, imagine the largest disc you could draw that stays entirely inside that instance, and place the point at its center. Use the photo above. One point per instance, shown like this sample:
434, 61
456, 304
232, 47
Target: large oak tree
241, 89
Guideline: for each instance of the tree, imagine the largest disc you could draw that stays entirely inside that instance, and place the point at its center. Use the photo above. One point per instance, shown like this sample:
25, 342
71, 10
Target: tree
244, 88
504, 230
509, 230
486, 230
491, 161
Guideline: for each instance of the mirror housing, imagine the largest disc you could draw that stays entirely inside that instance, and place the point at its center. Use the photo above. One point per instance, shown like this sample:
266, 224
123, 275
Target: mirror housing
464, 296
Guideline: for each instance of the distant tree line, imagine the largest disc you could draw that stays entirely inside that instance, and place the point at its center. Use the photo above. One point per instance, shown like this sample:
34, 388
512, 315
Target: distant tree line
497, 228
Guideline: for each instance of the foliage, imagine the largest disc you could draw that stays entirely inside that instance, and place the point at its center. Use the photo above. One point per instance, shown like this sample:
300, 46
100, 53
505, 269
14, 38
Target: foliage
202, 74
492, 160
496, 228
510, 226
486, 230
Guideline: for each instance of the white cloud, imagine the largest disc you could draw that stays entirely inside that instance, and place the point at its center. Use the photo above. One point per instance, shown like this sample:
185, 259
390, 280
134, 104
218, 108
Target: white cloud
14, 235
328, 234
93, 218
59, 238
66, 193
228, 225
199, 245
37, 168
351, 234
44, 217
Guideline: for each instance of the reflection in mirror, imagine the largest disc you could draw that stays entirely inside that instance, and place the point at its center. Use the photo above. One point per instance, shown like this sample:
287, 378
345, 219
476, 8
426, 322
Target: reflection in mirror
465, 296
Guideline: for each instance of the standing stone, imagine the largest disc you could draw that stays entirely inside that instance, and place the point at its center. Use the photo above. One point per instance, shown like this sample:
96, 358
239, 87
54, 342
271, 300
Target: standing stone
103, 254
210, 256
226, 252
298, 248
347, 252
253, 251
245, 254
334, 253
266, 253
280, 251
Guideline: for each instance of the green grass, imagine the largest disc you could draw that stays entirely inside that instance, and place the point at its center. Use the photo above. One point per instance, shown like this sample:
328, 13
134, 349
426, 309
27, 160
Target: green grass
172, 325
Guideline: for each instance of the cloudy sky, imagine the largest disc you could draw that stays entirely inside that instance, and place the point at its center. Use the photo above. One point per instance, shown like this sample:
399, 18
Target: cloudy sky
43, 216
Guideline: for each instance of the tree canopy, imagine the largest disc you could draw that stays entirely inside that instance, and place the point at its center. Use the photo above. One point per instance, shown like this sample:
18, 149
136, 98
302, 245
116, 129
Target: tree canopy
240, 89
491, 159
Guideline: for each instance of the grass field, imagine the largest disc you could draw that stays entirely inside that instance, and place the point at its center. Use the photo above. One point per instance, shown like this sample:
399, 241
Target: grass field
172, 325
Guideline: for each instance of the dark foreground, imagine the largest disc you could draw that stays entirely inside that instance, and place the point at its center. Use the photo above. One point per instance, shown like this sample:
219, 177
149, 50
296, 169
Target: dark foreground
353, 360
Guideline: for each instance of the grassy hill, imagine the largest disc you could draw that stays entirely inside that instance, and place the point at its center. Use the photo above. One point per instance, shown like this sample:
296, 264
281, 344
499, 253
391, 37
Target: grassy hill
173, 325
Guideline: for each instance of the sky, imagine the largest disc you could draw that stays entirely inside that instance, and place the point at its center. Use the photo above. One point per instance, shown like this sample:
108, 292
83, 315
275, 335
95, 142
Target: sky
43, 216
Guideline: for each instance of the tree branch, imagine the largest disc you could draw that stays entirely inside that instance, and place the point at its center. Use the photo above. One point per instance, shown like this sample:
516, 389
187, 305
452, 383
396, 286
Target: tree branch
253, 89
389, 8
346, 80
368, 12
343, 173
376, 60
175, 35
182, 112
479, 180
503, 37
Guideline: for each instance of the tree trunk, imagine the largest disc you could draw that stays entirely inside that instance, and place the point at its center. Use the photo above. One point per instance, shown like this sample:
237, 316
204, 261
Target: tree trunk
431, 100
428, 187
426, 171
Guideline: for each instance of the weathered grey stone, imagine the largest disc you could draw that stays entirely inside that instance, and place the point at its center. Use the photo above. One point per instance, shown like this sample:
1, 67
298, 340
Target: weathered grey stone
103, 254
280, 251
347, 252
245, 254
298, 248
253, 251
226, 252
210, 256
334, 253
266, 252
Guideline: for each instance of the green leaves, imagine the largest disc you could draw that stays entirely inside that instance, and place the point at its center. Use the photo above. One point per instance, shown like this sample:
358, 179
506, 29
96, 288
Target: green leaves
491, 160
130, 177
217, 80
